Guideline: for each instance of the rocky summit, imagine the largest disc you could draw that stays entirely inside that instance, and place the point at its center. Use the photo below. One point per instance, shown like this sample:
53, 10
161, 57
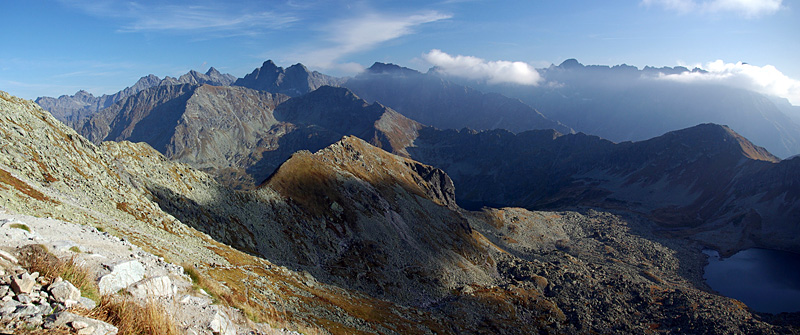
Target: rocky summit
348, 239
293, 81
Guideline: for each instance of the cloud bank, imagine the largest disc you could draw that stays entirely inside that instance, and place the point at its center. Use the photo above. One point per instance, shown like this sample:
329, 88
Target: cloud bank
766, 80
747, 8
493, 72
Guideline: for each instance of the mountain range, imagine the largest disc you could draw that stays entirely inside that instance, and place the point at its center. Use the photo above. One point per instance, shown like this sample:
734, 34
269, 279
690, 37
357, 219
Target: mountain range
356, 205
695, 180
74, 109
353, 238
624, 103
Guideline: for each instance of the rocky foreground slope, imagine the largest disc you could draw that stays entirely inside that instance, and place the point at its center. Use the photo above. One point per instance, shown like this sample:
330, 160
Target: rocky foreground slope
352, 239
31, 300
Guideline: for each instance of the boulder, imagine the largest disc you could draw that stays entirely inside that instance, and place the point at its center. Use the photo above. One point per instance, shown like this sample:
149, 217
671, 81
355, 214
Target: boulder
160, 286
81, 325
23, 283
122, 274
87, 303
221, 325
63, 291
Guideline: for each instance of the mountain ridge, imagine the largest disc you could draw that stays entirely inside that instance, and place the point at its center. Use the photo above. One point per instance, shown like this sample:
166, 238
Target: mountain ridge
75, 109
625, 103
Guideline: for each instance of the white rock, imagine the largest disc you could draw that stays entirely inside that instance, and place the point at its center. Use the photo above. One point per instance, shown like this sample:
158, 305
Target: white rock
93, 327
79, 324
23, 283
87, 331
87, 303
8, 257
63, 291
160, 286
221, 325
122, 275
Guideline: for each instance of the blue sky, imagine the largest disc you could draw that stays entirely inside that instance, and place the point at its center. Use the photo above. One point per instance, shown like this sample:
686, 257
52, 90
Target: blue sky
51, 48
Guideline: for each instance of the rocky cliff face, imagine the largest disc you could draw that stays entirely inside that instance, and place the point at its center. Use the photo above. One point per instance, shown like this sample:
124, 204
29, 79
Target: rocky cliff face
440, 103
353, 222
293, 81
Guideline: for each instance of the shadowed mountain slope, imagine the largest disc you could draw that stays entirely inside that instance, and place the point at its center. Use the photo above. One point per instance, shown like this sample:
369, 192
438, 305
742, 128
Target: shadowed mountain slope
698, 179
440, 103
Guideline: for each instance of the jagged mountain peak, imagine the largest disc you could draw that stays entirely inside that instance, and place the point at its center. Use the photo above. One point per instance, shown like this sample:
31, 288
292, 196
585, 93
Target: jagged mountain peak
212, 72
268, 65
293, 81
571, 63
298, 67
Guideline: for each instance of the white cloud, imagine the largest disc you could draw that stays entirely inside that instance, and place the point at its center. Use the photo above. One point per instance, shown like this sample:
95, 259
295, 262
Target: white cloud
135, 16
747, 8
363, 33
763, 79
493, 72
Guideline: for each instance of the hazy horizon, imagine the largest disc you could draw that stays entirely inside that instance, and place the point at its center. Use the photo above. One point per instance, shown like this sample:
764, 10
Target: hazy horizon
60, 47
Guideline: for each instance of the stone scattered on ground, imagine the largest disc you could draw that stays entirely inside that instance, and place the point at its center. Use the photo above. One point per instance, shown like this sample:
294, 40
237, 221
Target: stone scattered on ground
119, 268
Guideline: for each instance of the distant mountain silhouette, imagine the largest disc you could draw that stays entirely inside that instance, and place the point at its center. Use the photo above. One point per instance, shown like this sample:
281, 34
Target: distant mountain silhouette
623, 103
443, 104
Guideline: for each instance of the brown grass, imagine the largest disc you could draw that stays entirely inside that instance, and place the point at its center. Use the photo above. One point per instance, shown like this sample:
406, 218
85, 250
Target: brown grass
234, 299
23, 187
132, 318
36, 258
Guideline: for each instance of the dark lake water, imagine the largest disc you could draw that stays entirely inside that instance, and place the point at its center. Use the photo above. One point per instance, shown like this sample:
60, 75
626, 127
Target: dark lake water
766, 280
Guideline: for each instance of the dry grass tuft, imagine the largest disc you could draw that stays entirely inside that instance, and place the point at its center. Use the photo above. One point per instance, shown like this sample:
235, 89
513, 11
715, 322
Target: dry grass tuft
238, 300
36, 258
132, 318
